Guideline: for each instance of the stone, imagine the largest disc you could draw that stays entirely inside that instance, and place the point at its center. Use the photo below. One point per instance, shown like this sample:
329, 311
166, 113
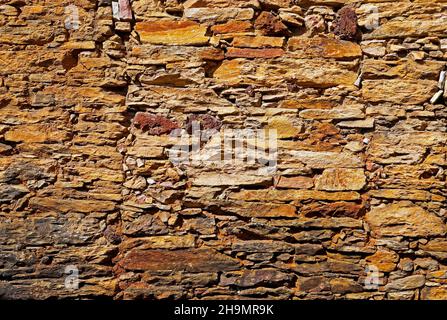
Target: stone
401, 295
334, 209
403, 69
291, 18
384, 260
315, 47
217, 15
318, 73
346, 23
4, 148
314, 24
122, 26
137, 183
436, 248
404, 219
154, 124
344, 285
200, 225
143, 225
222, 179
438, 245
22, 171
71, 205
161, 242
232, 26
111, 236
36, 133
401, 28
364, 124
269, 24
221, 3
275, 4
203, 122
340, 113
257, 42
399, 91
284, 127
341, 180
262, 210
198, 260
172, 32
418, 195
80, 45
261, 246
9, 193
434, 293
407, 283
290, 195
313, 284
95, 96
374, 48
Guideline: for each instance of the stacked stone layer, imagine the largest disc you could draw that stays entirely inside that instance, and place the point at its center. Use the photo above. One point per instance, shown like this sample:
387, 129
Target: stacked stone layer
87, 111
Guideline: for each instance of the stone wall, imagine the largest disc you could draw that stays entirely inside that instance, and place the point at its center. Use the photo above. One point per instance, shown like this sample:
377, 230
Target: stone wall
92, 93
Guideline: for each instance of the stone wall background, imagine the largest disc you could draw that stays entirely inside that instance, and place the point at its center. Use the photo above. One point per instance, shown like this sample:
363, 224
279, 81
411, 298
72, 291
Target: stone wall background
86, 182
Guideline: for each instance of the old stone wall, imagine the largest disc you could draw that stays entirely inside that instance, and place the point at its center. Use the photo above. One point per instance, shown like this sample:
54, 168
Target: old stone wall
93, 93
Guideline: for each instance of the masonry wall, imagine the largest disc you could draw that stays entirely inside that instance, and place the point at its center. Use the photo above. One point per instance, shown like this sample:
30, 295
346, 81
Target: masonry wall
89, 102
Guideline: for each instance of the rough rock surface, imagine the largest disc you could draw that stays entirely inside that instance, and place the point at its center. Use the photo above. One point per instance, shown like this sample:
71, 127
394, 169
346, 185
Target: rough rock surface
90, 99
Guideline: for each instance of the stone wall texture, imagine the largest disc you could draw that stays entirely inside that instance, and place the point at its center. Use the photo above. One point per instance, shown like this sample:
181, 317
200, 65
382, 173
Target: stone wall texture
90, 92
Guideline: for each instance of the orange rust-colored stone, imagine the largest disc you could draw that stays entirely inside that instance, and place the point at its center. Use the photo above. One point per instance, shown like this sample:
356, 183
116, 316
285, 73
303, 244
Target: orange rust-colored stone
254, 53
346, 24
171, 32
324, 47
154, 124
234, 26
269, 24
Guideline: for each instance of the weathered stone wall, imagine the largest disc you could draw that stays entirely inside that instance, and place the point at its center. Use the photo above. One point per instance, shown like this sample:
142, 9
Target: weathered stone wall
89, 100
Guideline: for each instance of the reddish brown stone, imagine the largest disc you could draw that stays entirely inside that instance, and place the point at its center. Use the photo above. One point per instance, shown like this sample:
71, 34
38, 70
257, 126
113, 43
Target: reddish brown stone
335, 209
212, 54
154, 124
111, 235
205, 121
254, 53
295, 183
269, 24
232, 27
346, 24
172, 32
